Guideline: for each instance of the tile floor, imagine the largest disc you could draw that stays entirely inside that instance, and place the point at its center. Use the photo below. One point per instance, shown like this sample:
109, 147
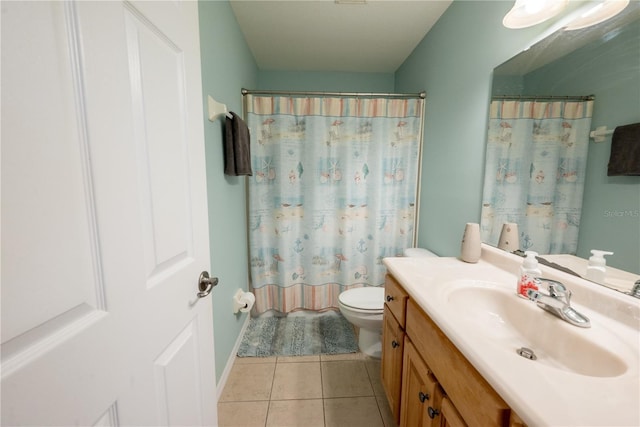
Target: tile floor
308, 391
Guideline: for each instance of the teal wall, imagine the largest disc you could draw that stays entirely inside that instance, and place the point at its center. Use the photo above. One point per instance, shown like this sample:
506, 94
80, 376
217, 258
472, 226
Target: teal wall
454, 64
227, 66
611, 205
325, 81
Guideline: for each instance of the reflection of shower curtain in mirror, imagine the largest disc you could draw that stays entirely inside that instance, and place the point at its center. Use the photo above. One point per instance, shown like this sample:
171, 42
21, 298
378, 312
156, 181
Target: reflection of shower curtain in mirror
535, 165
333, 192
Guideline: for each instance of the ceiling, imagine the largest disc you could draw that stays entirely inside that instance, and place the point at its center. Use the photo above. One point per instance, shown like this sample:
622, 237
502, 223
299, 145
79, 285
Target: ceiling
324, 35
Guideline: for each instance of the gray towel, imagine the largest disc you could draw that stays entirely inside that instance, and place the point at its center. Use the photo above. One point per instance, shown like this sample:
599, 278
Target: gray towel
237, 153
625, 151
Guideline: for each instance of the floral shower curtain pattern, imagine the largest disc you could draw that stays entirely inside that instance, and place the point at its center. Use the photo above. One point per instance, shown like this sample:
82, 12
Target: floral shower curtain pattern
535, 166
333, 192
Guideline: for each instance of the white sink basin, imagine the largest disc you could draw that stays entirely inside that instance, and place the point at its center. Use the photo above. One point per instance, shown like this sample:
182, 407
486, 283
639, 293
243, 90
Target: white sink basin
492, 310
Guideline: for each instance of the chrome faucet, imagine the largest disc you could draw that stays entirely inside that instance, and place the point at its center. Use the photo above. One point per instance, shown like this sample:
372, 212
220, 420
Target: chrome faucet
557, 302
635, 291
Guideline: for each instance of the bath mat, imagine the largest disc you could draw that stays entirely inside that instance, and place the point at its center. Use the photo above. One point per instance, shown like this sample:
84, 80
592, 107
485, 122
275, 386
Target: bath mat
327, 333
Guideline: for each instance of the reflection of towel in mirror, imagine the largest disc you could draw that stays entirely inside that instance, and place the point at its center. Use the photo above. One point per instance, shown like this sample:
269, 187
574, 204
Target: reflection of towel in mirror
625, 151
237, 154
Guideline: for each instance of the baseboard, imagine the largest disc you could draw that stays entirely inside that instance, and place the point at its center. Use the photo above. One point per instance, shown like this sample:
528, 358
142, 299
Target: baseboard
232, 358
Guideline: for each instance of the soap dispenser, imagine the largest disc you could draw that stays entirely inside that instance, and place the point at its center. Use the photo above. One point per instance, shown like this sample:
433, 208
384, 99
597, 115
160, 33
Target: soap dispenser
529, 273
597, 267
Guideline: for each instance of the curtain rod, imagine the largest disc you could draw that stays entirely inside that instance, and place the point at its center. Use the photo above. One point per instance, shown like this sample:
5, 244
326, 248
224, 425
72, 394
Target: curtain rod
539, 97
421, 95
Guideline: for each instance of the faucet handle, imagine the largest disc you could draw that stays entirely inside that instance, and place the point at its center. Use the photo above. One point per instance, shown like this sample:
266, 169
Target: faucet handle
556, 289
567, 295
553, 286
635, 291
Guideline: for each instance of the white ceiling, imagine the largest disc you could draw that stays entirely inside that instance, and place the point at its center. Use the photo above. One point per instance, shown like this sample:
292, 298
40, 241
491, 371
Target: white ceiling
321, 35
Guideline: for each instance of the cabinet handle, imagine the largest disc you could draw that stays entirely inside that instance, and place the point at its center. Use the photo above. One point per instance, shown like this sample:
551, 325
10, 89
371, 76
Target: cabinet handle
433, 412
395, 344
389, 298
423, 397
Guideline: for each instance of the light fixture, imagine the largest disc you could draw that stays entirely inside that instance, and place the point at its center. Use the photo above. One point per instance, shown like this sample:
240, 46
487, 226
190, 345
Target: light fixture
526, 13
602, 11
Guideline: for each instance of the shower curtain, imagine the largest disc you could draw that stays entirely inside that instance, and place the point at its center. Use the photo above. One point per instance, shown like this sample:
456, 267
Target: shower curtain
535, 165
333, 192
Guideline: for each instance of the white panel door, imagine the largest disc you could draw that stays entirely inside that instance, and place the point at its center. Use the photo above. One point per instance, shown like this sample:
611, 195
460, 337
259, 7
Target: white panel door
104, 216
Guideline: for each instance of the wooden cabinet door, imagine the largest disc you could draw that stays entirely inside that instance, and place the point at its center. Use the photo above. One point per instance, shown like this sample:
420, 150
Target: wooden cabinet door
475, 399
450, 417
392, 352
421, 394
516, 421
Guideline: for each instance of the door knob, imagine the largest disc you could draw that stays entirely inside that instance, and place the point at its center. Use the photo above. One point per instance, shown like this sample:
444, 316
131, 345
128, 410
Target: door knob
206, 284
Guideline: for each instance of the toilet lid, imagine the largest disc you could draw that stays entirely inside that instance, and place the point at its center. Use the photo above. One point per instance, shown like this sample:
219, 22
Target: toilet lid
368, 298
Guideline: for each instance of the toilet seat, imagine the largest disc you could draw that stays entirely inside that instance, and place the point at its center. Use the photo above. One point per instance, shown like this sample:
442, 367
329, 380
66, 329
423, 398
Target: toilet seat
363, 300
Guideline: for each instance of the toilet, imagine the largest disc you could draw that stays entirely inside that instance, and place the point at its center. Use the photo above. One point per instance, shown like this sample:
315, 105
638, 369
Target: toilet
363, 307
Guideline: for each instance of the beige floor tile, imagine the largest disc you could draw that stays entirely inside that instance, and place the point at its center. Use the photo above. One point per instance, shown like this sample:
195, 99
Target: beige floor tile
352, 412
298, 359
249, 382
346, 378
294, 413
385, 411
242, 414
248, 360
373, 369
345, 356
297, 381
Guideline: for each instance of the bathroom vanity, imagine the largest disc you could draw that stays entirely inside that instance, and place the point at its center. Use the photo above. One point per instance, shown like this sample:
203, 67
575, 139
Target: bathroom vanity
451, 336
419, 363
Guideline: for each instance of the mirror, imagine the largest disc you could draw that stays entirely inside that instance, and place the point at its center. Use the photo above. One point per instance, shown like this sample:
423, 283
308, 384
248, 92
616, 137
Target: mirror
604, 61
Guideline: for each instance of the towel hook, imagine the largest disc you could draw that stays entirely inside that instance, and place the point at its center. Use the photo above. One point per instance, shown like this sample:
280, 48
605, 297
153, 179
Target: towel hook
600, 133
217, 109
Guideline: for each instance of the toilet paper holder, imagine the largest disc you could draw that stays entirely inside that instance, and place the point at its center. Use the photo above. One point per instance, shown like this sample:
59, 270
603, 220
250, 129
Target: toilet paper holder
242, 301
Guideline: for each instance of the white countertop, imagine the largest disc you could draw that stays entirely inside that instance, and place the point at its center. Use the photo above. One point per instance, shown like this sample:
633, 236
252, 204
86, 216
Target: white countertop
542, 395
